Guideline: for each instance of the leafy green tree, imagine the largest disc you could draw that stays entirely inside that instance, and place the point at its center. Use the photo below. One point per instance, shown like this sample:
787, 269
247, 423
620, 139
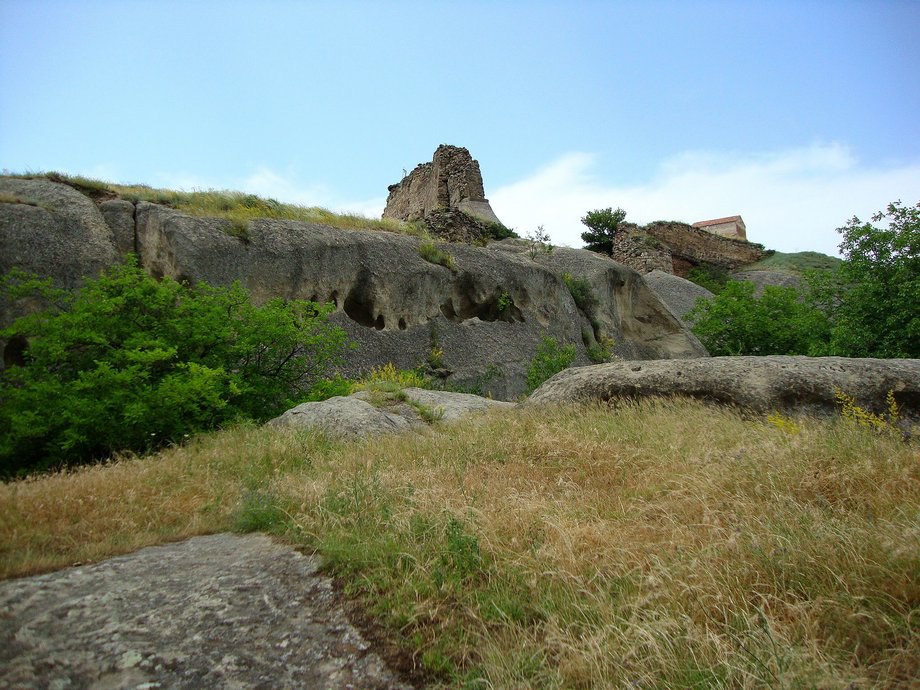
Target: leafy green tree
876, 309
131, 363
779, 322
603, 225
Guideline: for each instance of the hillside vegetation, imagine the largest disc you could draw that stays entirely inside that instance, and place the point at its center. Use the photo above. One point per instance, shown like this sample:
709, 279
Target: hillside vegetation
654, 544
795, 263
237, 207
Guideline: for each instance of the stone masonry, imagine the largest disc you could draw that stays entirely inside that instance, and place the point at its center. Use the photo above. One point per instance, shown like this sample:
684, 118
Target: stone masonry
451, 181
645, 248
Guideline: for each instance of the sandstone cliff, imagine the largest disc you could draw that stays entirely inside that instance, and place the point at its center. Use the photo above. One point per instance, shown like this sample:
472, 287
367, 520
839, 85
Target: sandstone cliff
487, 315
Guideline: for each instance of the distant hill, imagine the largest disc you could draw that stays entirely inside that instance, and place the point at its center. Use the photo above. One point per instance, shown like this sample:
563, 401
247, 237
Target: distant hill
795, 263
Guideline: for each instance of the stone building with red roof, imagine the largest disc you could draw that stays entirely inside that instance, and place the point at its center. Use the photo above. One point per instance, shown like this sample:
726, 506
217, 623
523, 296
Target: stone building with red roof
732, 227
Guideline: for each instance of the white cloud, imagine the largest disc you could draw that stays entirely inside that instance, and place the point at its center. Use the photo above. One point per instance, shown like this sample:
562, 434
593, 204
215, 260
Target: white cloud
790, 200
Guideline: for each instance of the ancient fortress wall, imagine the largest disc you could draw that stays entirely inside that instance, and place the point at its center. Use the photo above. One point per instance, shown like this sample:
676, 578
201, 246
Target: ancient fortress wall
670, 242
452, 180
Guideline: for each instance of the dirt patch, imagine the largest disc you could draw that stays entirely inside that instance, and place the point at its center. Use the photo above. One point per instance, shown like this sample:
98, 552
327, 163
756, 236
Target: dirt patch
211, 612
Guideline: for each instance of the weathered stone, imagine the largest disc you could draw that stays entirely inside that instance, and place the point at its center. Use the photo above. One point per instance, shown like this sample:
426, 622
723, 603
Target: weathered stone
56, 232
398, 307
487, 316
220, 611
343, 416
448, 406
366, 413
761, 384
451, 181
678, 294
621, 308
762, 279
61, 234
119, 216
644, 248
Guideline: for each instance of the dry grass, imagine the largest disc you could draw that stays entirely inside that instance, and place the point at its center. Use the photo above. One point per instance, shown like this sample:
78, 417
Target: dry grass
237, 207
52, 521
662, 544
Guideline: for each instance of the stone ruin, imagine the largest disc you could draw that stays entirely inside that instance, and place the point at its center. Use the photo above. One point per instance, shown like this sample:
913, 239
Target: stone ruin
450, 183
675, 247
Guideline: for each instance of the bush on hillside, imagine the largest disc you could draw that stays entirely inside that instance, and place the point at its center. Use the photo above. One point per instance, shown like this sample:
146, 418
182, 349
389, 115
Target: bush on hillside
129, 363
550, 359
779, 322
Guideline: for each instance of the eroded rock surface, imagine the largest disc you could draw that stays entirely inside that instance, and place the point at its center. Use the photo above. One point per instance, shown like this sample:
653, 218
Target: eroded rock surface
678, 294
220, 611
762, 384
367, 414
486, 316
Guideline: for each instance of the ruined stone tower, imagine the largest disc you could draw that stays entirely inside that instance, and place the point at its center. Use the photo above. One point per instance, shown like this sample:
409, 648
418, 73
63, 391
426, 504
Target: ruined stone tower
451, 181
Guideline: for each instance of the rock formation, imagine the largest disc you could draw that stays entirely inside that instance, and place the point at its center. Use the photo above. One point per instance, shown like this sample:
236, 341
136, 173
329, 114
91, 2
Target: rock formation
218, 611
487, 315
678, 294
451, 181
356, 415
761, 384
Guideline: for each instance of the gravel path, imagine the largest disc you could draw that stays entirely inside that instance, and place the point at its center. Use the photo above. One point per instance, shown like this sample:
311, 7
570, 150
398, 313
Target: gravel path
221, 611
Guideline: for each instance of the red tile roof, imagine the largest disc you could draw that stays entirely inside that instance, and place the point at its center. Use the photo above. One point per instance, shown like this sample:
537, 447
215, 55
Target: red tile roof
716, 221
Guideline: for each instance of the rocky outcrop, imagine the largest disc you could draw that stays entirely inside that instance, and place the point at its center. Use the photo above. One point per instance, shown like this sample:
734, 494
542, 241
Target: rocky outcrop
52, 230
364, 414
451, 181
762, 279
761, 384
485, 317
220, 611
678, 294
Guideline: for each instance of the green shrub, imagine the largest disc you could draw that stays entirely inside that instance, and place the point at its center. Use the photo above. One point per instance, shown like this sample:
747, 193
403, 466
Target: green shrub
710, 277
779, 322
430, 253
332, 387
600, 350
498, 231
582, 292
550, 359
388, 378
129, 363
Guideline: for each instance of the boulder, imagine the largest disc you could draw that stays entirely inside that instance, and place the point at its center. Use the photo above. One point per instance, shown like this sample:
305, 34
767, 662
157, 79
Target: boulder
678, 294
357, 416
52, 230
343, 416
760, 384
448, 406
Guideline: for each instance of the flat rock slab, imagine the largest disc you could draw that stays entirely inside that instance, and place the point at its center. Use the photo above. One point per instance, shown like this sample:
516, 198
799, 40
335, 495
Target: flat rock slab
221, 611
354, 417
762, 384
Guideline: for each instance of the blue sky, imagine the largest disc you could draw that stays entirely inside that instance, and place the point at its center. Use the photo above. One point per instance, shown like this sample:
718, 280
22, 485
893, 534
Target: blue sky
796, 115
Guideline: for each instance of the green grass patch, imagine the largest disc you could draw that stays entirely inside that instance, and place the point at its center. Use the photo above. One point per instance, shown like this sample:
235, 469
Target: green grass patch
795, 263
430, 252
